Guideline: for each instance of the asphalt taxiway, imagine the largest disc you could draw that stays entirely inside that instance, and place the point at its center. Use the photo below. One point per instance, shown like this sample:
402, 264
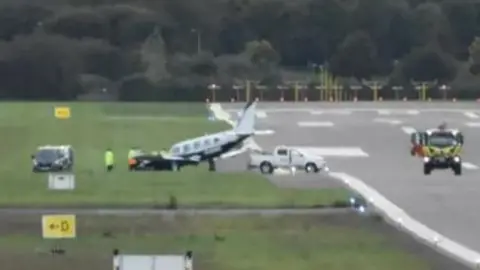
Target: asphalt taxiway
446, 203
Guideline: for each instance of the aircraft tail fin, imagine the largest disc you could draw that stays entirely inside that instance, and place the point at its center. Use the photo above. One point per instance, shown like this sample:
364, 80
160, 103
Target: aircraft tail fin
246, 124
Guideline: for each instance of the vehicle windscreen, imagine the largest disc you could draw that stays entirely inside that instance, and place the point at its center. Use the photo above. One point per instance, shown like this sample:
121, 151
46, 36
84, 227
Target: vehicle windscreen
442, 140
46, 156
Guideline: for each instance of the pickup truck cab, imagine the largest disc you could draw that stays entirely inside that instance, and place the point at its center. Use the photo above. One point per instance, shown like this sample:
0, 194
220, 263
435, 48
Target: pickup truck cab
287, 158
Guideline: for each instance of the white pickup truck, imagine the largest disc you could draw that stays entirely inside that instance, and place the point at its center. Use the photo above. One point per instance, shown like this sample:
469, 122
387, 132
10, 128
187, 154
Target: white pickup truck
286, 158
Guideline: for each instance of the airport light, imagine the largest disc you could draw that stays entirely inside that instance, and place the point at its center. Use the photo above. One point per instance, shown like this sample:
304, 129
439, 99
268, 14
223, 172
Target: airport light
444, 88
213, 87
355, 88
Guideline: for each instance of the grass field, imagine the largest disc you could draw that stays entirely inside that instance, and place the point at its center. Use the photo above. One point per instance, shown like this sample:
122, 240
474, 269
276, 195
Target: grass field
94, 127
333, 242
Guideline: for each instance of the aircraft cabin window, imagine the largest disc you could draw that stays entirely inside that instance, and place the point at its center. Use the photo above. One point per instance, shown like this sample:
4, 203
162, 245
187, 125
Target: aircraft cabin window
186, 148
206, 142
216, 140
196, 144
176, 150
282, 152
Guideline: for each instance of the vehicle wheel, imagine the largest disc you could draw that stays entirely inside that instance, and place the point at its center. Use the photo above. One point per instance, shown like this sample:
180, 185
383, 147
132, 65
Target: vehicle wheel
266, 168
427, 169
457, 169
310, 168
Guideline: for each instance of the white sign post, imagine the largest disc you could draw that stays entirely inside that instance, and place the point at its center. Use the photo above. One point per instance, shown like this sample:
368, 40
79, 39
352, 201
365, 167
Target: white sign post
61, 181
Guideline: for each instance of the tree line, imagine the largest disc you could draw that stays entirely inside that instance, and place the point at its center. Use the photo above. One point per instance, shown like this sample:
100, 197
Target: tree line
171, 50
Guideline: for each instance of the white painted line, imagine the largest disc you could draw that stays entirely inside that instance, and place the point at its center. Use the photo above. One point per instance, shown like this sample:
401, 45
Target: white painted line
388, 121
333, 151
398, 216
339, 112
330, 111
469, 166
413, 112
264, 132
372, 109
384, 112
473, 124
471, 115
261, 114
315, 124
409, 130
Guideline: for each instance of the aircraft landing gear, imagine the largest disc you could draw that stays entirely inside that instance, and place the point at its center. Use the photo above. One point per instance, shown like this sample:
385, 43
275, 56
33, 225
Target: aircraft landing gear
211, 165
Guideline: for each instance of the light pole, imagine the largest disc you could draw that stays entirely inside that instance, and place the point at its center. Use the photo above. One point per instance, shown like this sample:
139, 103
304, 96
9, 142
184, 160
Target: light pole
422, 88
444, 88
261, 89
375, 86
237, 89
396, 89
337, 92
199, 39
213, 87
321, 88
282, 89
355, 88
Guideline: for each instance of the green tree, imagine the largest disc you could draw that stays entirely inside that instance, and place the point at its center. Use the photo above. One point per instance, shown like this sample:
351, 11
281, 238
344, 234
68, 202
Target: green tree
154, 56
355, 57
261, 53
41, 66
429, 63
463, 20
474, 52
21, 19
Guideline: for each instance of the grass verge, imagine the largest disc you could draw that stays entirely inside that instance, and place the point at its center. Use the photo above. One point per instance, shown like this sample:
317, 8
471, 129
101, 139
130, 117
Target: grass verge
333, 242
94, 127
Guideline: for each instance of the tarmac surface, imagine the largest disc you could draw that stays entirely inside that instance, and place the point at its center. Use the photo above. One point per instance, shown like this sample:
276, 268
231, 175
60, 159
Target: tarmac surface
442, 201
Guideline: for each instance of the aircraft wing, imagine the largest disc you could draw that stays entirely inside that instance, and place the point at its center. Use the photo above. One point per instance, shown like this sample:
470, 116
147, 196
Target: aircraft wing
247, 145
233, 153
194, 160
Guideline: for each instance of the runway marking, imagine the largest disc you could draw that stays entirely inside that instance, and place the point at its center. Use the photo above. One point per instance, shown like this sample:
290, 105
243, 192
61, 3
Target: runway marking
261, 114
473, 124
384, 112
469, 166
393, 110
333, 151
388, 121
413, 112
405, 222
409, 130
315, 124
334, 111
471, 115
264, 132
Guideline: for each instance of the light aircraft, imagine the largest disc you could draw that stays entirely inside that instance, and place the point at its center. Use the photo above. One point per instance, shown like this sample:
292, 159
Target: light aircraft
210, 147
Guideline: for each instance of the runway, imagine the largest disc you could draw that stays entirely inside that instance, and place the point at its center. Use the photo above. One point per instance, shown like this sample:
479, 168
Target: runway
442, 201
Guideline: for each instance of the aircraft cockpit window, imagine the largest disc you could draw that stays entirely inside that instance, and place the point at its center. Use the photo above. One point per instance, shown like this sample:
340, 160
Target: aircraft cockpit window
196, 144
206, 142
176, 150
